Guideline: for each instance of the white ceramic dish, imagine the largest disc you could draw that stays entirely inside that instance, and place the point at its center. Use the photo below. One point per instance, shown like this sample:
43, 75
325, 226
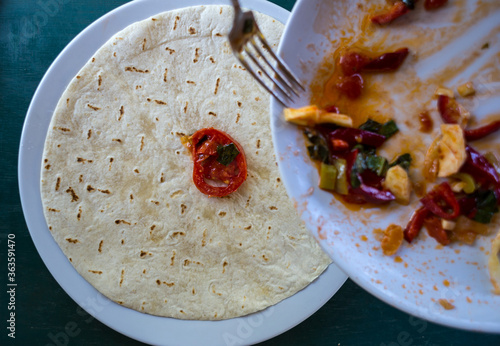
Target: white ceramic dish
426, 274
146, 328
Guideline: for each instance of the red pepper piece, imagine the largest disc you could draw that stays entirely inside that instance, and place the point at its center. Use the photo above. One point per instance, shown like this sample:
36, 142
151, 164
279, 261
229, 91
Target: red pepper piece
339, 145
353, 62
449, 110
480, 168
468, 206
351, 86
356, 136
332, 109
434, 4
373, 195
396, 11
415, 224
483, 131
439, 196
371, 178
354, 199
388, 61
435, 229
350, 158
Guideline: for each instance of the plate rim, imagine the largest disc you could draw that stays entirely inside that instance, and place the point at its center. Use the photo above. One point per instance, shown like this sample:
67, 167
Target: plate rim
101, 308
364, 281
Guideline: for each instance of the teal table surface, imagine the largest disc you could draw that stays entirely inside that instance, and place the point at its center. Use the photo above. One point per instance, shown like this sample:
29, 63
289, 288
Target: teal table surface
32, 34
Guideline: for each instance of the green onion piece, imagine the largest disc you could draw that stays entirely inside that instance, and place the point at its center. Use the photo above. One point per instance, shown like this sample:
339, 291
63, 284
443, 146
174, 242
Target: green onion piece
327, 176
227, 153
313, 138
483, 216
341, 185
470, 184
318, 152
486, 206
377, 164
402, 160
388, 129
360, 163
371, 125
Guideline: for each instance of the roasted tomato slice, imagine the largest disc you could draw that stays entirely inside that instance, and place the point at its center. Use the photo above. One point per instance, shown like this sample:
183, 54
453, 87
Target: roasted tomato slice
219, 166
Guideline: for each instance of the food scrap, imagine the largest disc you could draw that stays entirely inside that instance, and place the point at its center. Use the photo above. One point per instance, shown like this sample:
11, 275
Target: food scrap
446, 304
494, 264
402, 7
349, 164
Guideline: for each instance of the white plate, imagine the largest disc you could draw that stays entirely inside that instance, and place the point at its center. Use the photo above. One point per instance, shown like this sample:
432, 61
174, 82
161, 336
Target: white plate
426, 274
146, 328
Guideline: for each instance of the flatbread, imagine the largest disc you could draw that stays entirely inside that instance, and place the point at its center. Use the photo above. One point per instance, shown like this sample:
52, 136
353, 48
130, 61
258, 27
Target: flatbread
117, 183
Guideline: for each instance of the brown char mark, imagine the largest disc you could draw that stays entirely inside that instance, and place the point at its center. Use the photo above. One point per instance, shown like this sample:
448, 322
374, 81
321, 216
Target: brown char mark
175, 22
58, 183
122, 111
217, 86
93, 107
196, 55
135, 69
74, 196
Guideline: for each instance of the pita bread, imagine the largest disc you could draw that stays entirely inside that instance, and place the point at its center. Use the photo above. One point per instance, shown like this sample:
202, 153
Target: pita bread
117, 183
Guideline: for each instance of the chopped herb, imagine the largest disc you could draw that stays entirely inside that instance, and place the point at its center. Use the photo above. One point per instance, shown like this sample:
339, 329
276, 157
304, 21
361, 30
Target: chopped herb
318, 152
314, 138
388, 129
319, 149
486, 206
371, 125
366, 149
377, 164
402, 160
227, 153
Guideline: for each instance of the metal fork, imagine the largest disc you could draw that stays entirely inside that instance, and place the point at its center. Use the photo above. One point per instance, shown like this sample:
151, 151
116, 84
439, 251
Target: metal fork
246, 40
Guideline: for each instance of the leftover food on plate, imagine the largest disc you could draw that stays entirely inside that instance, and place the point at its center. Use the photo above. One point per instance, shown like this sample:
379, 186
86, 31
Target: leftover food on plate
347, 133
117, 183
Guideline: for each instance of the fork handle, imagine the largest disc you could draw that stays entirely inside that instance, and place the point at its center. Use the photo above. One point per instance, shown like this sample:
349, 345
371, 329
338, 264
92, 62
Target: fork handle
236, 5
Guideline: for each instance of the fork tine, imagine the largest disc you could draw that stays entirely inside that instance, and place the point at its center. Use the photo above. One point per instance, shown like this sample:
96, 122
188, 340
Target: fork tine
287, 85
263, 70
281, 64
261, 81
